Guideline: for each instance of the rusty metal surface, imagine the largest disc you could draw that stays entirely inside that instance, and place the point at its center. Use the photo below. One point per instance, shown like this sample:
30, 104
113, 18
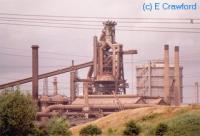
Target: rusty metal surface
108, 71
128, 52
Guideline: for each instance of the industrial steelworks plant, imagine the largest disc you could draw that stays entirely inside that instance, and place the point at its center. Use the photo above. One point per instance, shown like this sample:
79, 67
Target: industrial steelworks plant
104, 88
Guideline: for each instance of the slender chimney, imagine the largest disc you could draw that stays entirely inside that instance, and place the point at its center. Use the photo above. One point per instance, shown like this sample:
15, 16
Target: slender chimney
72, 84
55, 86
166, 75
35, 72
177, 89
45, 87
72, 63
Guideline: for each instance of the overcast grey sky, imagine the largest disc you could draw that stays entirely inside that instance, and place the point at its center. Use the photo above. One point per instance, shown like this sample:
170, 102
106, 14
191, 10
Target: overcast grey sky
77, 43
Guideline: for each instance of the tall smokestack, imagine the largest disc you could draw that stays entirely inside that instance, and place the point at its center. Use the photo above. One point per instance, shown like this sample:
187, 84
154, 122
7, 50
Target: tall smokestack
166, 75
177, 76
35, 72
55, 86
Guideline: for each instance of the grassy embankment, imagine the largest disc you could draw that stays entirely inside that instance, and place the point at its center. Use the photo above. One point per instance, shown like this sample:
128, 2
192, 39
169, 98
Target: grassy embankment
183, 121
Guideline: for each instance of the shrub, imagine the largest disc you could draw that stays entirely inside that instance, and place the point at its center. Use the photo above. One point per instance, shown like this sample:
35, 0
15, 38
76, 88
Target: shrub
187, 124
58, 126
39, 131
161, 129
131, 129
17, 113
110, 130
90, 130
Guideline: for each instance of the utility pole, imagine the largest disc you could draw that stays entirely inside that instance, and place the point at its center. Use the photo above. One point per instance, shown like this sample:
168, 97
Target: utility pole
132, 72
196, 92
149, 75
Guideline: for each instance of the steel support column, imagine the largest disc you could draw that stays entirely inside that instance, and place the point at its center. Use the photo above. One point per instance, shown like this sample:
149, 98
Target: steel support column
95, 56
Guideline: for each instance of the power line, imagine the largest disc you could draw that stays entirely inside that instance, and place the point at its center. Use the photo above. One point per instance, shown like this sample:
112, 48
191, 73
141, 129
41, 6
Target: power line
157, 22
47, 52
46, 22
66, 54
155, 27
162, 31
17, 24
136, 30
26, 56
50, 52
100, 21
11, 54
50, 19
19, 55
64, 59
92, 17
84, 56
75, 24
